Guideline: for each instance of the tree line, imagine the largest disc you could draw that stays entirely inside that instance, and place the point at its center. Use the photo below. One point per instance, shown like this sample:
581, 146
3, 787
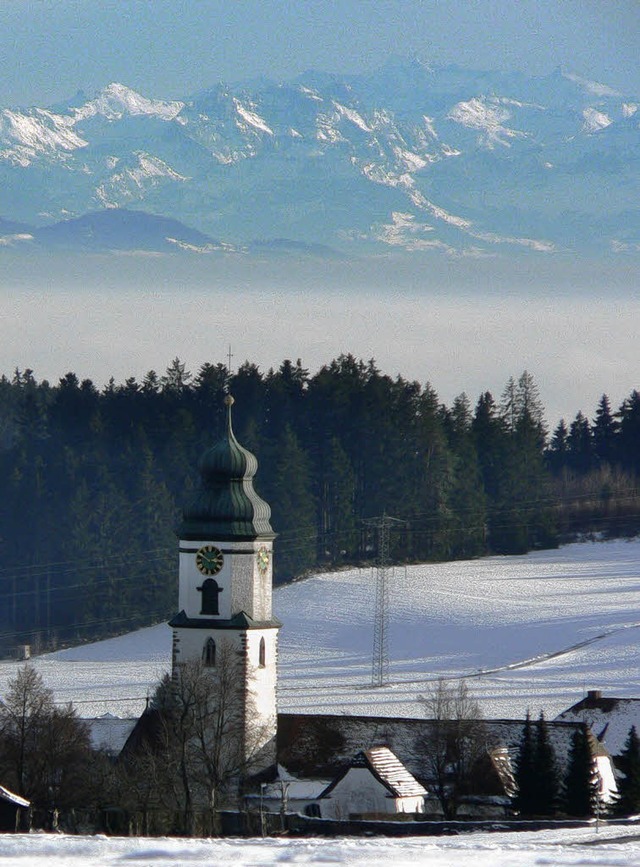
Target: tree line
93, 479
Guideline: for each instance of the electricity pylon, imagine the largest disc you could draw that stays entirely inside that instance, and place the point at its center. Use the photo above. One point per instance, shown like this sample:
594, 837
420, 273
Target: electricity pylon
380, 659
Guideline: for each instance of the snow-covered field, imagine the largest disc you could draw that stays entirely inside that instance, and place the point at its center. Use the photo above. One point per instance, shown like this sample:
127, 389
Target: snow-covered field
609, 848
532, 631
529, 632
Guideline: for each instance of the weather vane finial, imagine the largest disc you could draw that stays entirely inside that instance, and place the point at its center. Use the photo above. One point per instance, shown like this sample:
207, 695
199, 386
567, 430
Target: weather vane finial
227, 384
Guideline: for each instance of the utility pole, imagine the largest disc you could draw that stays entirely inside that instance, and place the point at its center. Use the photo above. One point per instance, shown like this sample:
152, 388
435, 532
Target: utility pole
380, 659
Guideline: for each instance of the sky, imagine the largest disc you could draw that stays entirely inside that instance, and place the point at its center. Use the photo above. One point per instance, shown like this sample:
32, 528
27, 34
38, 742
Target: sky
460, 331
51, 48
125, 316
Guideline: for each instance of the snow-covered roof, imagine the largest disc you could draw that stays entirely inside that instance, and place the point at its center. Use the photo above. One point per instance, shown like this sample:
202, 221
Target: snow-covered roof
109, 733
609, 718
388, 769
6, 795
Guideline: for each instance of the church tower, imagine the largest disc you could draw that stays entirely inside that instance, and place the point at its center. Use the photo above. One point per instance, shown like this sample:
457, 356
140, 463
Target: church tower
225, 589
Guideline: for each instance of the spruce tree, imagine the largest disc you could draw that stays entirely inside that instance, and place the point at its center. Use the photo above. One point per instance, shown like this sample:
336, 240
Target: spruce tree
628, 800
524, 801
580, 797
546, 781
604, 430
580, 444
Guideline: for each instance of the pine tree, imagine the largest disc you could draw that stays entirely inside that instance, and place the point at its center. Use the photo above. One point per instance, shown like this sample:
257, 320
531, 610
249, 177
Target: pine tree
580, 797
466, 497
628, 440
546, 794
628, 800
580, 444
522, 518
557, 452
524, 801
604, 429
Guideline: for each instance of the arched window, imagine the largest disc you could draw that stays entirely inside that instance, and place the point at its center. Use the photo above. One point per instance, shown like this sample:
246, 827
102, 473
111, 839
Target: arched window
262, 654
209, 653
210, 592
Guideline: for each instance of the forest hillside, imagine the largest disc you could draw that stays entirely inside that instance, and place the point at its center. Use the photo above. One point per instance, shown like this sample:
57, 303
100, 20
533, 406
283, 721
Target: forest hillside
93, 480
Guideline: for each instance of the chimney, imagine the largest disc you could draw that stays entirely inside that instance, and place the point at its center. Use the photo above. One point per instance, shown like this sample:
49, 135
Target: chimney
594, 695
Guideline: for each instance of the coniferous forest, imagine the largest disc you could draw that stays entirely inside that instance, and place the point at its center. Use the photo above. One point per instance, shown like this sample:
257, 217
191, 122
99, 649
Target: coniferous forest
93, 480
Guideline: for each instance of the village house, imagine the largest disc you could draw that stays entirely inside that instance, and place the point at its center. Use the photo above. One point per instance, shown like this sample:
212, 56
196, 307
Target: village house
375, 785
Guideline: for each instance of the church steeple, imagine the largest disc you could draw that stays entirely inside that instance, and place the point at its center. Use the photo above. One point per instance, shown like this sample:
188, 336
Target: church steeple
225, 506
225, 589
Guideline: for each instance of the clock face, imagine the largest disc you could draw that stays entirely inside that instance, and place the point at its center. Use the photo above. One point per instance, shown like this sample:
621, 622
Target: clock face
209, 560
263, 558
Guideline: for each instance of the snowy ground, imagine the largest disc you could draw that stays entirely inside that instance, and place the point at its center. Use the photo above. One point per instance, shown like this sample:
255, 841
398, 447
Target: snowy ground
609, 848
529, 632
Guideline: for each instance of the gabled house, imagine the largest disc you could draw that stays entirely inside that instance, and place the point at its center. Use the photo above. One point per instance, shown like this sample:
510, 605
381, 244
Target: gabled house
375, 783
609, 718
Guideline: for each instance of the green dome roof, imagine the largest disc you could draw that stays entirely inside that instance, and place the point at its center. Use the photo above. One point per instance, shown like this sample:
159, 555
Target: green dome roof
225, 506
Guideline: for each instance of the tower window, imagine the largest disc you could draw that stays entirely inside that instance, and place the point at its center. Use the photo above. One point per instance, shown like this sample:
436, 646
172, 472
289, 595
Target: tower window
209, 653
210, 592
262, 653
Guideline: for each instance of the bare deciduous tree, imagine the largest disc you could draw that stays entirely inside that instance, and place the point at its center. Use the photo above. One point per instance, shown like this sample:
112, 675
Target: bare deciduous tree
456, 741
209, 736
44, 750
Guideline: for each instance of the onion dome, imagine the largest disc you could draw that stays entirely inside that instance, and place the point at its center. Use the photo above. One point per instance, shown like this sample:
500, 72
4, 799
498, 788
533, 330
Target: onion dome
225, 505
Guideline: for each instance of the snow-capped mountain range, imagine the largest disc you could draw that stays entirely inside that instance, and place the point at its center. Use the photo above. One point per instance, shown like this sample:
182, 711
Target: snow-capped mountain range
409, 157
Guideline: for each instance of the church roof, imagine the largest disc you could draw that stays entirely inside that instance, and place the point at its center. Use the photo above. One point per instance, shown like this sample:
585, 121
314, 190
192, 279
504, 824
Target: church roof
225, 505
238, 621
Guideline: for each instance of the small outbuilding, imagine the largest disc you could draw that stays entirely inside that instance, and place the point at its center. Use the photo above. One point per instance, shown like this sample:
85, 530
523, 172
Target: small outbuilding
375, 784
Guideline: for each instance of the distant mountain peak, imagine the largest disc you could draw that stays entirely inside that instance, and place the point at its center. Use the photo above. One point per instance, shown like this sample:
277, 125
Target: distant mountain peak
117, 100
